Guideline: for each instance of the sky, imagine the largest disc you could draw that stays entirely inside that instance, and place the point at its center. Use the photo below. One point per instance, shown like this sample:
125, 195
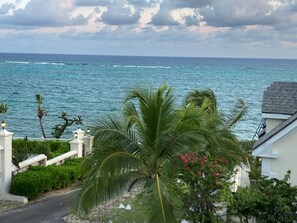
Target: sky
187, 28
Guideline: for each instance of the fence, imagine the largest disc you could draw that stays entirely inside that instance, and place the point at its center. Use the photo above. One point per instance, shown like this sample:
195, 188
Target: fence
80, 146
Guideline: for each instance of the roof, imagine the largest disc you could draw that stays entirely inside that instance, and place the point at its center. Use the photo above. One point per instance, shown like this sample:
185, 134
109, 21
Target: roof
280, 98
275, 131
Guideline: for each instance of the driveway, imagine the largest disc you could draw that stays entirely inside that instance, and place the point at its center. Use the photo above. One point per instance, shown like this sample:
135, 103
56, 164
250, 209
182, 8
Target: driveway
50, 209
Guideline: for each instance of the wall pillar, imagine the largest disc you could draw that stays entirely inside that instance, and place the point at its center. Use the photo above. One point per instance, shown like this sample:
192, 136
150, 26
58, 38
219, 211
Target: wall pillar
79, 134
88, 144
6, 160
77, 145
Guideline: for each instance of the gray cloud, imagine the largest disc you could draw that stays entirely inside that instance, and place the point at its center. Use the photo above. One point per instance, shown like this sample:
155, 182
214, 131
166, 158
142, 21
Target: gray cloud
193, 3
163, 16
191, 20
6, 7
120, 15
139, 3
176, 41
163, 19
93, 2
234, 13
136, 3
42, 13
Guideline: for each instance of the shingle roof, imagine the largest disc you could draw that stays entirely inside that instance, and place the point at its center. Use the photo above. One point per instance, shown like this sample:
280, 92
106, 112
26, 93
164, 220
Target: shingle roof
276, 130
280, 98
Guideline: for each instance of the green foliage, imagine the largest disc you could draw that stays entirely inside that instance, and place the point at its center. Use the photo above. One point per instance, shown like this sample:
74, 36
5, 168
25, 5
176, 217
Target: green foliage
22, 148
269, 200
3, 108
201, 179
141, 146
59, 129
39, 179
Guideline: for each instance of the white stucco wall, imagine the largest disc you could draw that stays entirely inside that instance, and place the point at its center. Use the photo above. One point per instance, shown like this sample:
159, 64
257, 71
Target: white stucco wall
286, 148
272, 123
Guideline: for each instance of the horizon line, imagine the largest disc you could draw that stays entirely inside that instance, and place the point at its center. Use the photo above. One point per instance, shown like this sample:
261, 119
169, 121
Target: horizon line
118, 55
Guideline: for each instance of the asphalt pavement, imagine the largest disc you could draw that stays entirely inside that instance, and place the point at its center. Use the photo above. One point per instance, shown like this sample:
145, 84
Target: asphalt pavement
48, 210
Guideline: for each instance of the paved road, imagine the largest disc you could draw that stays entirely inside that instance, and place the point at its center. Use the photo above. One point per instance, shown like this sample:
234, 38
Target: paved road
48, 210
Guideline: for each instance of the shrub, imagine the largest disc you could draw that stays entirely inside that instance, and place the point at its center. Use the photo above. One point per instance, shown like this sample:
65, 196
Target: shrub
269, 200
40, 179
51, 148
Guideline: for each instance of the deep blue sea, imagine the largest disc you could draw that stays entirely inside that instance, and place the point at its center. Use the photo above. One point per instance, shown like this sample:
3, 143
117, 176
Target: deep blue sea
92, 86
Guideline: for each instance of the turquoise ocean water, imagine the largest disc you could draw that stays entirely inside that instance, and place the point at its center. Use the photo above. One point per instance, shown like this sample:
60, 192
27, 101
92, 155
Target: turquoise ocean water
92, 86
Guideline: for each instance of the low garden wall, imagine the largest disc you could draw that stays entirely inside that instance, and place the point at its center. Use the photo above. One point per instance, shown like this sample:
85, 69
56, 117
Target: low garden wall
29, 154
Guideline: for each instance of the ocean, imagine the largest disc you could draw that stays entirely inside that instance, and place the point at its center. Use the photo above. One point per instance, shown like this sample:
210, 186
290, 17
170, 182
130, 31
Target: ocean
92, 86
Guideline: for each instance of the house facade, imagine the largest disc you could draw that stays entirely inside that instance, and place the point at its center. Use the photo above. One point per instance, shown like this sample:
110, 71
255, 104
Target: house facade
277, 148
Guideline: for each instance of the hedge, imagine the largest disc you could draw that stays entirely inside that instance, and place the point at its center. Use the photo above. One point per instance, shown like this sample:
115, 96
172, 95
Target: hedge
50, 148
39, 179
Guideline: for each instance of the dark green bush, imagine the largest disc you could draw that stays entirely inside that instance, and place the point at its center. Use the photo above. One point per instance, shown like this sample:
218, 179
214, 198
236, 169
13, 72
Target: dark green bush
40, 179
269, 200
51, 148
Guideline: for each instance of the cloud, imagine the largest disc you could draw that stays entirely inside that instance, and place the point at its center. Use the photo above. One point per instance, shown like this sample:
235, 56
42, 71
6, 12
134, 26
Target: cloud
136, 3
191, 20
44, 13
120, 15
93, 2
6, 7
193, 3
235, 13
163, 16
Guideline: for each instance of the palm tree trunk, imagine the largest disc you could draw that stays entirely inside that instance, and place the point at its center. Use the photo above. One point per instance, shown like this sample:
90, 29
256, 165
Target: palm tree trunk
42, 130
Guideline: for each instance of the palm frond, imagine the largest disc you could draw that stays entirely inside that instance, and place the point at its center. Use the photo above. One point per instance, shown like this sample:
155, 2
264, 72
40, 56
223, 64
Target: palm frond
104, 179
158, 201
236, 114
204, 99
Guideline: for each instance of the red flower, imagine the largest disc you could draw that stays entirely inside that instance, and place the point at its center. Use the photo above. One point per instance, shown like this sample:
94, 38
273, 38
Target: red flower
180, 156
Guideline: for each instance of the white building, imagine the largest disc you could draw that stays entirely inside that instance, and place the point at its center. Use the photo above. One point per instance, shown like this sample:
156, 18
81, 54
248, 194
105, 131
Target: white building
277, 148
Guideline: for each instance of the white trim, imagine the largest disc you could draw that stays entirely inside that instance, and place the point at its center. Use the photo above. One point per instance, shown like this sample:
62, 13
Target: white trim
269, 155
1, 148
265, 148
275, 116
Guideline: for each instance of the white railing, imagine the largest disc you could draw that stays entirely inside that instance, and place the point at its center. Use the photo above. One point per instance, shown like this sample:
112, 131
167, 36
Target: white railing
61, 159
32, 161
76, 150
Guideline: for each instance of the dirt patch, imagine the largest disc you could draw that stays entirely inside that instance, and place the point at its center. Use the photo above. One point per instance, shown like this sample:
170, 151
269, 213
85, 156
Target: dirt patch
7, 205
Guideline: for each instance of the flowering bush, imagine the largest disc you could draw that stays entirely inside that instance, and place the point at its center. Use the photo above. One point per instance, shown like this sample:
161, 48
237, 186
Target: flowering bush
201, 178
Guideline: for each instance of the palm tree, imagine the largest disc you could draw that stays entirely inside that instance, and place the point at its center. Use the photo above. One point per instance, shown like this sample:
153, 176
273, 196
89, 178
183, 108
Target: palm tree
206, 100
40, 113
141, 147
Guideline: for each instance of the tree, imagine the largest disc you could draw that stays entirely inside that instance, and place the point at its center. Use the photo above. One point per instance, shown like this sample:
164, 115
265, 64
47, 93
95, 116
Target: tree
221, 125
59, 129
40, 112
201, 179
206, 100
3, 108
205, 175
141, 147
